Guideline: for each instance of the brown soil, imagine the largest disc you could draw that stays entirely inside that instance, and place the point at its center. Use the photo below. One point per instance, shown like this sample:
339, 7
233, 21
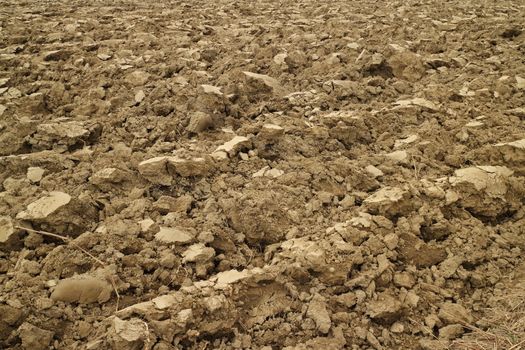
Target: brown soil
259, 174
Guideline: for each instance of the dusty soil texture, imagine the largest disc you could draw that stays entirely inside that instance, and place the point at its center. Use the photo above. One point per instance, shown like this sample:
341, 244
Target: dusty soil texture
259, 174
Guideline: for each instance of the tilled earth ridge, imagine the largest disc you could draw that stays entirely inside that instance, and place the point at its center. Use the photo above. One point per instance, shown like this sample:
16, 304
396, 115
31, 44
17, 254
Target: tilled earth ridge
259, 175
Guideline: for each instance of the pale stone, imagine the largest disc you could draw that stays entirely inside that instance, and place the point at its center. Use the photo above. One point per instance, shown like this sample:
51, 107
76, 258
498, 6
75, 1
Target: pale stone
137, 78
139, 96
452, 313
156, 171
228, 277
128, 334
35, 174
210, 89
317, 311
474, 124
173, 235
270, 82
199, 122
406, 141
198, 253
386, 308
45, 206
146, 224
7, 228
188, 167
234, 145
398, 156
103, 56
375, 172
418, 101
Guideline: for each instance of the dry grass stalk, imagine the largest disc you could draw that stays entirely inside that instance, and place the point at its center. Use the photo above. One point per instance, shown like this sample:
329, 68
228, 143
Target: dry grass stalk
71, 242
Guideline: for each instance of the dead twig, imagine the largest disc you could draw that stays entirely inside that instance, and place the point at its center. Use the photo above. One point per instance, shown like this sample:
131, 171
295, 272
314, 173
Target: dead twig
65, 239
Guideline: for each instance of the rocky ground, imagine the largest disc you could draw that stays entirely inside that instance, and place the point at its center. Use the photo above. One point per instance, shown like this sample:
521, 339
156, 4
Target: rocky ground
261, 174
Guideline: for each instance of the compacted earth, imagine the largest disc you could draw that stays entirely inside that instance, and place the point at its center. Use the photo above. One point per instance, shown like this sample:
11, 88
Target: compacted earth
262, 174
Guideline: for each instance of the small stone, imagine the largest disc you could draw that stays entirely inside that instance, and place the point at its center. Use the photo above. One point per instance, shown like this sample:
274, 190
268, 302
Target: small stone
139, 96
44, 303
198, 253
261, 82
206, 237
228, 277
210, 89
146, 224
261, 172
451, 197
432, 321
183, 317
520, 83
451, 332
486, 190
274, 173
234, 145
513, 154
372, 340
404, 279
34, 174
128, 335
482, 178
103, 56
411, 299
452, 313
375, 172
397, 328
391, 241
45, 206
450, 266
156, 171
60, 133
400, 157
347, 299
199, 122
280, 58
386, 308
420, 102
434, 191
317, 311
406, 141
34, 338
219, 155
214, 303
390, 201
271, 131
137, 78
474, 124
7, 229
347, 202
29, 266
108, 176
13, 93
188, 167
174, 235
